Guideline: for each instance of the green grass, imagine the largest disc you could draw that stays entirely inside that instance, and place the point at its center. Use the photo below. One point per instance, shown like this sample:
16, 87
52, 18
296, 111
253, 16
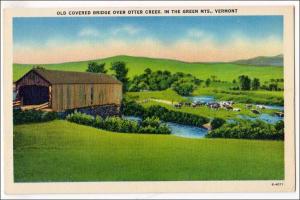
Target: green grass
259, 96
136, 65
168, 94
63, 151
211, 113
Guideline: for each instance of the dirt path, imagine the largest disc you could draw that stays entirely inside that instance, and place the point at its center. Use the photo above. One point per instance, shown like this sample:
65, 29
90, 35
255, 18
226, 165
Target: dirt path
159, 101
163, 101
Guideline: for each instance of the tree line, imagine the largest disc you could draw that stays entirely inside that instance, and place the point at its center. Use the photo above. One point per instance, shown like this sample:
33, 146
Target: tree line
183, 84
246, 83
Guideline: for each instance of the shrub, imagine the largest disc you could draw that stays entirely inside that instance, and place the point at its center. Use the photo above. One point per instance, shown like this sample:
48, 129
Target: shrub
175, 116
81, 118
164, 114
183, 89
31, 116
217, 122
151, 121
117, 124
154, 125
248, 130
132, 108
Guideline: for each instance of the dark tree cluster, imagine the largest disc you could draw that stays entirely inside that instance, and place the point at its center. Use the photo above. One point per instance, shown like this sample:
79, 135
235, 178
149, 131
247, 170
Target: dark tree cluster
245, 83
96, 68
183, 84
121, 73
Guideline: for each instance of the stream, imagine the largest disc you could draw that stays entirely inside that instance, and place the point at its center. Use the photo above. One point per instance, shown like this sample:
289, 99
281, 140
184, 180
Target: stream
272, 119
179, 129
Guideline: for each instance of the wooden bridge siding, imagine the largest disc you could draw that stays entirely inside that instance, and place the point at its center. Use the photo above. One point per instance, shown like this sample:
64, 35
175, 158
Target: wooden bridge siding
31, 79
69, 96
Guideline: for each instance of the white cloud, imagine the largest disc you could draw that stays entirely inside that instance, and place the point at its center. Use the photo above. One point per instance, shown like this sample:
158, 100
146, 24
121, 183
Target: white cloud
89, 32
195, 33
205, 49
126, 29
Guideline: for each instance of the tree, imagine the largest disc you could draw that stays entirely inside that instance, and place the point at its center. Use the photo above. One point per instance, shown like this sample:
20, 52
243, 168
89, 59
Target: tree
245, 82
234, 81
217, 122
184, 89
207, 82
273, 86
147, 71
38, 67
255, 84
213, 77
96, 68
121, 73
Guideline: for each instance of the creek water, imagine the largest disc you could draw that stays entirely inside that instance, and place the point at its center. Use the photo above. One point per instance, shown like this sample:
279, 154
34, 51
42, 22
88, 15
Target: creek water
179, 129
272, 119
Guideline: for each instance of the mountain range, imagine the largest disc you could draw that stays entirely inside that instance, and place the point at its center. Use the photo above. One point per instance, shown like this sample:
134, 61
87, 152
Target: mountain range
262, 61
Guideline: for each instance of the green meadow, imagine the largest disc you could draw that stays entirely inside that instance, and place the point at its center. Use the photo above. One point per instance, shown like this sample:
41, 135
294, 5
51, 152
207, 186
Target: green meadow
137, 65
63, 151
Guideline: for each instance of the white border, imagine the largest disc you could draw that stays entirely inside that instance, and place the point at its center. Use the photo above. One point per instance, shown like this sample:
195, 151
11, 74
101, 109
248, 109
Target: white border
160, 3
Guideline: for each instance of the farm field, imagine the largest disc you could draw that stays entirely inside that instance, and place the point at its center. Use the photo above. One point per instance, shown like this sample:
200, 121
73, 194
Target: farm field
167, 97
63, 151
137, 65
221, 91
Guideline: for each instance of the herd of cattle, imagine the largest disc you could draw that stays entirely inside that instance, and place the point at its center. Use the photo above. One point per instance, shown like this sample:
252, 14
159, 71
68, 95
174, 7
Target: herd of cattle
227, 105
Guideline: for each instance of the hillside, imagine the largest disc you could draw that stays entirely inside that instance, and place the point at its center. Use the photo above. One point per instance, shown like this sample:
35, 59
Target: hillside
63, 151
136, 65
263, 61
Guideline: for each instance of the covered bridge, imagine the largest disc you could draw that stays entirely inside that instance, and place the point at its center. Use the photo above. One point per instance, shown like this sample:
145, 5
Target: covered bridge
63, 90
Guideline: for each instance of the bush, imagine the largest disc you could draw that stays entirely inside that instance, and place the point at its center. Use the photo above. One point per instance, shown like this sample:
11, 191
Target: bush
175, 116
32, 116
248, 130
154, 125
183, 89
81, 118
151, 121
217, 122
134, 109
117, 124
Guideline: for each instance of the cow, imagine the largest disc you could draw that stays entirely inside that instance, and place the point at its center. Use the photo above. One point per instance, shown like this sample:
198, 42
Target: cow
178, 105
236, 109
260, 107
248, 106
255, 111
187, 104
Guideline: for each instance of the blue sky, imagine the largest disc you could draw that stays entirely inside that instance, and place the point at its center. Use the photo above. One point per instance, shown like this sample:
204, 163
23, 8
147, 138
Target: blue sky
129, 35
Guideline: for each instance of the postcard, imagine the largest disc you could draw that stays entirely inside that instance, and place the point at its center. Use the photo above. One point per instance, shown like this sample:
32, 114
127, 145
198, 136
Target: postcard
149, 99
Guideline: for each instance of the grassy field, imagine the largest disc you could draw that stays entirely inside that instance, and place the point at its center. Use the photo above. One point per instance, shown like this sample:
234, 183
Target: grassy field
136, 65
211, 113
172, 96
63, 151
168, 94
221, 91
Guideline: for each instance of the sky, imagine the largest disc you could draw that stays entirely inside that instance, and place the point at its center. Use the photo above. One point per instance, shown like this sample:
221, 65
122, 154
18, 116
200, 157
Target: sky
187, 38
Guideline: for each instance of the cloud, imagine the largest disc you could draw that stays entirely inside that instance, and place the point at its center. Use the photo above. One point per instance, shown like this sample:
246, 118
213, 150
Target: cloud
205, 50
89, 32
126, 29
195, 33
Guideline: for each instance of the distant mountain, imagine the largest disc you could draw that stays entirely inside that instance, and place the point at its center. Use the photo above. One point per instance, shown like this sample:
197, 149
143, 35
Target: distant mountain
224, 71
262, 61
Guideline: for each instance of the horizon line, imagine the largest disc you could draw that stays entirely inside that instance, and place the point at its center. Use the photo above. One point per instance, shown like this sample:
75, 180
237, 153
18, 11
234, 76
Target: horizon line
170, 59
